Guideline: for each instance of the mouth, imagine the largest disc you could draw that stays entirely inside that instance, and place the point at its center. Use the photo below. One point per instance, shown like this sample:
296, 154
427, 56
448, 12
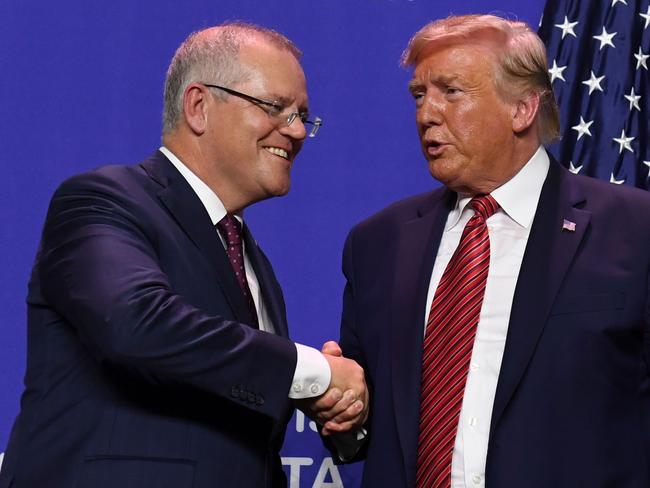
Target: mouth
278, 151
434, 148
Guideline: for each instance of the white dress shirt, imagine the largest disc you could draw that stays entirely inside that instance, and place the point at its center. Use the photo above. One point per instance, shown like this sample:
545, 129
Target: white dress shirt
312, 374
509, 229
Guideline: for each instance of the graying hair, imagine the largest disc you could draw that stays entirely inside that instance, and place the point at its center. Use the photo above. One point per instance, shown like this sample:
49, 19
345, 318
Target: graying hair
521, 65
211, 56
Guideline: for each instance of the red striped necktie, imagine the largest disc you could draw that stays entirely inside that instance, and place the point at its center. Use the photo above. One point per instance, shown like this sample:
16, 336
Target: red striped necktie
448, 342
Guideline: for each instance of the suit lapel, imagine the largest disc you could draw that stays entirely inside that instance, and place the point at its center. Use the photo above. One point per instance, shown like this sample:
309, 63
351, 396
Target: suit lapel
190, 214
549, 253
417, 246
271, 292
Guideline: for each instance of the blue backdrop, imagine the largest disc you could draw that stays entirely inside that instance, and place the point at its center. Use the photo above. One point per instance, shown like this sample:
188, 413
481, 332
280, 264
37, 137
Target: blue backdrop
82, 86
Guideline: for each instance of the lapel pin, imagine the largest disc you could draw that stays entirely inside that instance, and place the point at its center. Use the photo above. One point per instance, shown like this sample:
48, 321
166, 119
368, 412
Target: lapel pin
568, 225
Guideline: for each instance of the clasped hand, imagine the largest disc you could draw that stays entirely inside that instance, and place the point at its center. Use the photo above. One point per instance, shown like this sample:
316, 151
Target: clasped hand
344, 406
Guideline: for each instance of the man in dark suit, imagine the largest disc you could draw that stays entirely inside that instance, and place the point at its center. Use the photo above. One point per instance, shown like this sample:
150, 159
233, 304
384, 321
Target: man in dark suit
520, 359
158, 350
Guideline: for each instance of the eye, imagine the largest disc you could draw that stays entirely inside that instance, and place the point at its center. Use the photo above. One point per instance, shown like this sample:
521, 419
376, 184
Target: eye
452, 90
275, 109
418, 96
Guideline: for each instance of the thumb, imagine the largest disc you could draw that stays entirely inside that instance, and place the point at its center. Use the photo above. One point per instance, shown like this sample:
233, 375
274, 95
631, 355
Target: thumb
332, 348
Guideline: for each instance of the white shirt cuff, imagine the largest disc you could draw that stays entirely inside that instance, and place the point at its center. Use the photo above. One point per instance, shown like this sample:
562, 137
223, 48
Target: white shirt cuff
312, 376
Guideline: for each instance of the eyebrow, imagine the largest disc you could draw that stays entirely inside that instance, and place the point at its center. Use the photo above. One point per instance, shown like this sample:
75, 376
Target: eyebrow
285, 102
415, 84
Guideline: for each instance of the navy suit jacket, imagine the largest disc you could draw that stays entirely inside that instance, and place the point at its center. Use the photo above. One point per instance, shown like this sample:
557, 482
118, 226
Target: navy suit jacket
572, 406
141, 371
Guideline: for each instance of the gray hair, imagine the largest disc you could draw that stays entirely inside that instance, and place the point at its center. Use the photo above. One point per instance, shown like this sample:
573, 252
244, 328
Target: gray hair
521, 65
211, 55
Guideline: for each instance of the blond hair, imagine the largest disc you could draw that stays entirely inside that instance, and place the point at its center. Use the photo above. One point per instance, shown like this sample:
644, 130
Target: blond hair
521, 62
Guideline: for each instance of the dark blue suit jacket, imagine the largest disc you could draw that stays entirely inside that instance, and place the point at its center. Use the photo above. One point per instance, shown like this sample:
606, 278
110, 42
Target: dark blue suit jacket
572, 406
141, 371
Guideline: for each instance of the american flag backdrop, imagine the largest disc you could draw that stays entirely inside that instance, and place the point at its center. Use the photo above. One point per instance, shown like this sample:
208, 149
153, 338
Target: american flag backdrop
599, 56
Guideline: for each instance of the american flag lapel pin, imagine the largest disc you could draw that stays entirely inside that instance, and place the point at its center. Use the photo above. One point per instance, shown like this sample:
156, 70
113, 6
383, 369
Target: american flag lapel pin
568, 225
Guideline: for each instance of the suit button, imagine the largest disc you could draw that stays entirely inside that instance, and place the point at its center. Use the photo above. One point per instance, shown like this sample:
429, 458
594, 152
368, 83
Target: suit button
251, 397
259, 400
243, 395
234, 392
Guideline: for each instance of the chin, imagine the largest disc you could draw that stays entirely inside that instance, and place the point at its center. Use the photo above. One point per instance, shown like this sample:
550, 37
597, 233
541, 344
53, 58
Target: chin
280, 190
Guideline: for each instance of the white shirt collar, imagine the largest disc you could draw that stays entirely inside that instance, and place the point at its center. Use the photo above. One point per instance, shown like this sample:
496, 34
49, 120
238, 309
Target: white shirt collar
209, 198
518, 196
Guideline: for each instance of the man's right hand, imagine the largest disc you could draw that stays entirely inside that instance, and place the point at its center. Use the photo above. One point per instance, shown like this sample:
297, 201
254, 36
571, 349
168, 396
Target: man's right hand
345, 404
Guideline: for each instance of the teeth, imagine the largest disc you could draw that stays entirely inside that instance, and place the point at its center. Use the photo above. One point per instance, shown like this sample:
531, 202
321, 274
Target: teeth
278, 152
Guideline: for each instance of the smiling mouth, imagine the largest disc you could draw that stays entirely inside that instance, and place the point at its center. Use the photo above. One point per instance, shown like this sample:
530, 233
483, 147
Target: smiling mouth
277, 151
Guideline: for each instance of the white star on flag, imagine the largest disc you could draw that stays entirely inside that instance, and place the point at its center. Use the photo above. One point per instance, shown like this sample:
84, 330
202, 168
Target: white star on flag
633, 99
624, 142
567, 27
646, 16
605, 38
594, 46
556, 72
583, 127
594, 83
574, 169
615, 181
641, 59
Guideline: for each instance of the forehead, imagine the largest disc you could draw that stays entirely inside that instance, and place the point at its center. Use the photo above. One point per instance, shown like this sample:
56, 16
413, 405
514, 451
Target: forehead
455, 59
273, 70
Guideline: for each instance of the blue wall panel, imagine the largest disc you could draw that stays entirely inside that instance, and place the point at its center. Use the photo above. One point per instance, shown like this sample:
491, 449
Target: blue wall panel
81, 86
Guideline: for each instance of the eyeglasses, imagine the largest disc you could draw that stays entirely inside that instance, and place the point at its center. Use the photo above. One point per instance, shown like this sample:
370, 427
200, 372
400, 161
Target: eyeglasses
276, 111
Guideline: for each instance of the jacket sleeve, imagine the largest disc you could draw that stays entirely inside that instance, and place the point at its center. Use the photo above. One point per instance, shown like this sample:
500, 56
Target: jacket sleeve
98, 268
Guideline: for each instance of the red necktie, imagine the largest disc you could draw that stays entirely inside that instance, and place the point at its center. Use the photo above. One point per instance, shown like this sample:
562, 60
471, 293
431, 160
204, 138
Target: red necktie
231, 231
448, 343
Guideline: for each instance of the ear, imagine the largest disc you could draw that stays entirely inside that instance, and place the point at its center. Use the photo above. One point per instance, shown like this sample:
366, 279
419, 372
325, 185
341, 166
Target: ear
195, 109
525, 112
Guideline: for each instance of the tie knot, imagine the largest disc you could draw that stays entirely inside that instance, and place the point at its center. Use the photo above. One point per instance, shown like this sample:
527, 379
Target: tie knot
484, 205
230, 229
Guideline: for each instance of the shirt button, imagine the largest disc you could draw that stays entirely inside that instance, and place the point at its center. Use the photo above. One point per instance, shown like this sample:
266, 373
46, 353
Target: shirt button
297, 387
476, 479
473, 421
315, 389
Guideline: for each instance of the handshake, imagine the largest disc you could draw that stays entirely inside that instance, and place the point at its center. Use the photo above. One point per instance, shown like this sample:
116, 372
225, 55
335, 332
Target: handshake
344, 406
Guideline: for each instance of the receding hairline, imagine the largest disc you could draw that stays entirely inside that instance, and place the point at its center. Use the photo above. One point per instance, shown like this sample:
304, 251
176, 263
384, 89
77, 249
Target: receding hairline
246, 34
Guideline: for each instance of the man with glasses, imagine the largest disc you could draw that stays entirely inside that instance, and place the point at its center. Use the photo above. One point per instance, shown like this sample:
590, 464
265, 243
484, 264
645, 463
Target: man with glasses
158, 346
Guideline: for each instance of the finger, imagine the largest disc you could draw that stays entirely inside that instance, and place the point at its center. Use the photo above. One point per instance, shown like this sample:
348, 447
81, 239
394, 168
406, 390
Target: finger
348, 399
334, 427
354, 411
328, 401
332, 348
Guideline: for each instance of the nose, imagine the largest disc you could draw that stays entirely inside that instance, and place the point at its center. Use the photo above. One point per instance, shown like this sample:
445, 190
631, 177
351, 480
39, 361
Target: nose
429, 112
295, 130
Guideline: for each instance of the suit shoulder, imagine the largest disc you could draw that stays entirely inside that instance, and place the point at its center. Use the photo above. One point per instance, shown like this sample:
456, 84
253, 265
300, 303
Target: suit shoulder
400, 211
107, 178
603, 193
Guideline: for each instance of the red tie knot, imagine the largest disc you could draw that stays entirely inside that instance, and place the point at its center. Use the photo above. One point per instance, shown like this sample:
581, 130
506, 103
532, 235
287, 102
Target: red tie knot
484, 205
230, 229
